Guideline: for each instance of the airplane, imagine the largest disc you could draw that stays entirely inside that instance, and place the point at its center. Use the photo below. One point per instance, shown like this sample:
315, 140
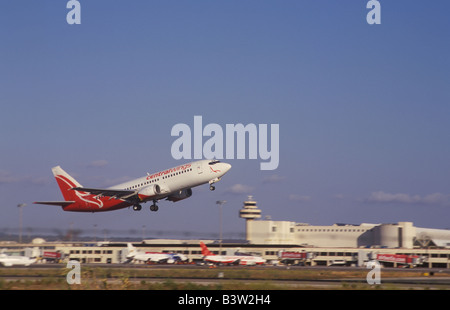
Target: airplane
134, 254
11, 260
230, 259
173, 184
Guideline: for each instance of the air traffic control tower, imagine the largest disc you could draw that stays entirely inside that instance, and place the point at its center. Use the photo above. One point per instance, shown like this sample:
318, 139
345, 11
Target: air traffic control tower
249, 212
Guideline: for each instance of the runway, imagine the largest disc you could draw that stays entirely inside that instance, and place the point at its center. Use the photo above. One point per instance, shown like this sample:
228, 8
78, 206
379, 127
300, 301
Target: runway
120, 276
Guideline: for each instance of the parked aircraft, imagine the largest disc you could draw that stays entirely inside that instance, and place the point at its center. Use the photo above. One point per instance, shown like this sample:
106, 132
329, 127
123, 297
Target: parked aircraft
230, 259
134, 254
11, 260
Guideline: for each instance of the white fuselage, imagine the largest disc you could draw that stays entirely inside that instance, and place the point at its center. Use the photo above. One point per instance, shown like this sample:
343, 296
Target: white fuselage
137, 255
11, 260
230, 259
179, 178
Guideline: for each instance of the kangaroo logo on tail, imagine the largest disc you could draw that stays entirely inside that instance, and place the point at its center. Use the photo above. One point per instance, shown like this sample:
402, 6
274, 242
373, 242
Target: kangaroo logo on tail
66, 183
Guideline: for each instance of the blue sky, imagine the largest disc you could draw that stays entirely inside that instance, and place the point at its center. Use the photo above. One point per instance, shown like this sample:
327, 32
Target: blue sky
363, 109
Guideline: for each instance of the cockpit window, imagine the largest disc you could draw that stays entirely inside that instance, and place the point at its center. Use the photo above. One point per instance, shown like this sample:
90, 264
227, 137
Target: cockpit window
213, 162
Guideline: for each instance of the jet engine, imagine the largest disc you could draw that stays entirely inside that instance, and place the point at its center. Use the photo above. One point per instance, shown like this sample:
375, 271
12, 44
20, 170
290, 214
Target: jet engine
180, 195
149, 191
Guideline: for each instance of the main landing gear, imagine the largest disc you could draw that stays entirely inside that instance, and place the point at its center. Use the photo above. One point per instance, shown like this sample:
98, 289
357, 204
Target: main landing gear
153, 207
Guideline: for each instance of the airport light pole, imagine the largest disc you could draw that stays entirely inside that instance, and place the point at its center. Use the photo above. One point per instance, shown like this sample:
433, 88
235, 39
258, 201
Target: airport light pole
95, 232
143, 232
220, 203
20, 206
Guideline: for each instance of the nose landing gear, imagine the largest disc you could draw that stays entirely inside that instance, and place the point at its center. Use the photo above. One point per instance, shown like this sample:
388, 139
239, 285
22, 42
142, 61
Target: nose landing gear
211, 184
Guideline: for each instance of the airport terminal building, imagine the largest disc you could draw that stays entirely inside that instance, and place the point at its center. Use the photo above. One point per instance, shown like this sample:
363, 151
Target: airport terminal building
393, 235
397, 235
393, 244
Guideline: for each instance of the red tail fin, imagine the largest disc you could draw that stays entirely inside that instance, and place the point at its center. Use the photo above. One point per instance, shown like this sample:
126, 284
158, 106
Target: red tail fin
205, 251
65, 183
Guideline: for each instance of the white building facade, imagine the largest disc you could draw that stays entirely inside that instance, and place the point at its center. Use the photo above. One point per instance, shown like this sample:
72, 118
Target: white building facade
398, 235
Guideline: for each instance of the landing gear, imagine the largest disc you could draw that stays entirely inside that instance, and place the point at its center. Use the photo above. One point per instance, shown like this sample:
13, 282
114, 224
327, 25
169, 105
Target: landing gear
211, 183
154, 207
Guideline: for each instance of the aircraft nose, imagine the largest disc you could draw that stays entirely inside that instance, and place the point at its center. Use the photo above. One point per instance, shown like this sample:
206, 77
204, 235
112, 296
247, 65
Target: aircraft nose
226, 167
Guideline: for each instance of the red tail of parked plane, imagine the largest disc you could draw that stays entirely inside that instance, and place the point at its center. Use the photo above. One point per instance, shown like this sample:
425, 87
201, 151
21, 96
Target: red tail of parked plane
205, 251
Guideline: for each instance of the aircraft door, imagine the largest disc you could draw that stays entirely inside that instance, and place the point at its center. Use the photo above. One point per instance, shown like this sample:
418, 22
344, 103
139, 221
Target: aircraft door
199, 168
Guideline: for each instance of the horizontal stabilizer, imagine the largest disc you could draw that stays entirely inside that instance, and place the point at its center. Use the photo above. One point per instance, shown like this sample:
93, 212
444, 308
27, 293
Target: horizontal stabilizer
55, 203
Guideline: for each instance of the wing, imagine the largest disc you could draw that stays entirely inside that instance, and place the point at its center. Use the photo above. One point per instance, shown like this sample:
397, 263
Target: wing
113, 193
54, 203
